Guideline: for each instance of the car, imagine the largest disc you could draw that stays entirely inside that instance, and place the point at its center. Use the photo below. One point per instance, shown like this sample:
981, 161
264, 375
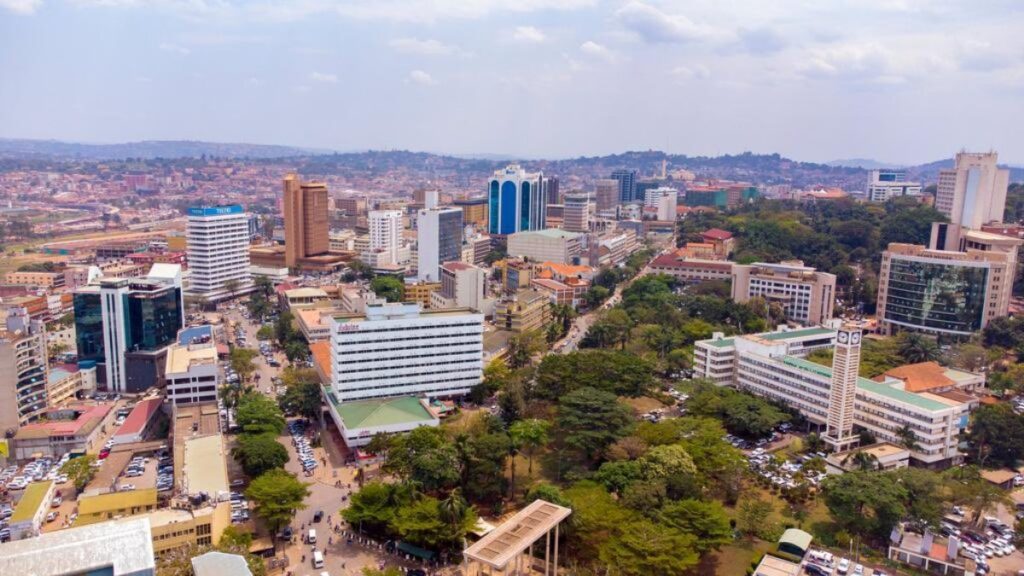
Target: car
236, 483
125, 487
318, 515
843, 567
56, 502
858, 570
815, 570
286, 534
51, 517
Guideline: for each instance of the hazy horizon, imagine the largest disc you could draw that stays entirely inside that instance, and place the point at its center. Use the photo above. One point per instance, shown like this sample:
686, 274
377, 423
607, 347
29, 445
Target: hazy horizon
905, 81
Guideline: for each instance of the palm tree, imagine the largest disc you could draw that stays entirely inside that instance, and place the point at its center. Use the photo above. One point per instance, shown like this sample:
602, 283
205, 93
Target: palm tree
815, 443
453, 507
908, 439
862, 460
916, 348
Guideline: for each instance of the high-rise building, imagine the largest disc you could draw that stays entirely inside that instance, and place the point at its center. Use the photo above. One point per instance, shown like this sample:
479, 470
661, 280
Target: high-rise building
885, 183
942, 291
517, 200
973, 193
607, 194
627, 185
664, 199
576, 213
474, 211
23, 370
218, 252
843, 392
439, 237
398, 350
386, 233
554, 193
305, 220
125, 325
806, 295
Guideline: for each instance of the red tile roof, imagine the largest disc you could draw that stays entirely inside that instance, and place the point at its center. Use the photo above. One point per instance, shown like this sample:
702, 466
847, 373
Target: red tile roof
68, 427
717, 234
139, 417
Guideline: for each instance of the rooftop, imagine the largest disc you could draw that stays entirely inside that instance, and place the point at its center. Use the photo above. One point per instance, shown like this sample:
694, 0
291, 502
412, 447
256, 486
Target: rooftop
556, 233
305, 293
186, 336
205, 469
120, 546
219, 563
719, 342
772, 566
181, 358
376, 413
717, 234
88, 419
517, 533
30, 501
112, 501
136, 421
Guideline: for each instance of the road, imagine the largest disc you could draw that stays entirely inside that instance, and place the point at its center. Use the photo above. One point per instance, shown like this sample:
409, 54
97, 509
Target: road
582, 323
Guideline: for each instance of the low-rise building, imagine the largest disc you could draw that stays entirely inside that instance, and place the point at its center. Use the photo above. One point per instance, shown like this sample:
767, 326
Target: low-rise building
116, 548
360, 421
547, 245
722, 241
192, 373
420, 292
355, 299
303, 297
315, 323
95, 508
690, 270
881, 456
139, 422
47, 280
807, 296
31, 510
62, 385
932, 377
75, 428
526, 310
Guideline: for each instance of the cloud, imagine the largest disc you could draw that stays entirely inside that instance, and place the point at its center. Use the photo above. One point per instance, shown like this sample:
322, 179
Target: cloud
323, 78
21, 6
694, 72
656, 27
175, 49
433, 10
422, 78
761, 40
301, 89
528, 35
427, 47
595, 50
983, 56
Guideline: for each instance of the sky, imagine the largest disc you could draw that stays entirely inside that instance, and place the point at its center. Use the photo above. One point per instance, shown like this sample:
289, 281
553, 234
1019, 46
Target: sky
905, 81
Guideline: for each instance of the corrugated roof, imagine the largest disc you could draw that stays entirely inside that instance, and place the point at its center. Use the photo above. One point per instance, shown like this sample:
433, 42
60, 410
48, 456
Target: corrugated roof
139, 416
112, 501
890, 392
388, 412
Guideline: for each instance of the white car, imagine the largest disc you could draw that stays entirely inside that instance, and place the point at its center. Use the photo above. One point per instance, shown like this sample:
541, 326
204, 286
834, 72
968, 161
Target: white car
844, 566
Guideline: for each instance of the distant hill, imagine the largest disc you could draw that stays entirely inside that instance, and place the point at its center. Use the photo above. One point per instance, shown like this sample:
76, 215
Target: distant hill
865, 163
148, 149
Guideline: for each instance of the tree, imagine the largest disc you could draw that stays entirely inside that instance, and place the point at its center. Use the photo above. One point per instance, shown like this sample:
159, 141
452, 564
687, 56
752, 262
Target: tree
996, 435
259, 453
425, 523
257, 414
80, 471
705, 520
388, 287
241, 361
547, 492
643, 547
908, 439
865, 503
618, 372
916, 348
523, 346
483, 466
426, 457
277, 495
596, 517
388, 571
589, 420
529, 435
266, 332
373, 507
231, 286
619, 475
752, 517
302, 392
968, 488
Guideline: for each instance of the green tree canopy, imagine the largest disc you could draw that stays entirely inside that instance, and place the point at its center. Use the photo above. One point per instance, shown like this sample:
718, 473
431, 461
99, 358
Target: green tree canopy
277, 496
257, 414
589, 420
259, 453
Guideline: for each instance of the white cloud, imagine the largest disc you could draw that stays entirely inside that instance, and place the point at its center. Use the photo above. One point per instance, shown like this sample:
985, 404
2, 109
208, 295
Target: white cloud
595, 50
174, 48
253, 81
432, 10
302, 89
429, 47
654, 26
422, 78
983, 56
323, 77
21, 6
528, 35
694, 72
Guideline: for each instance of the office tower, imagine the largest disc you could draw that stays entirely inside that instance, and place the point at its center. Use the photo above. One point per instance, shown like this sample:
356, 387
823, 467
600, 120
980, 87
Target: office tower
973, 193
439, 240
842, 394
607, 194
885, 184
305, 220
23, 370
554, 194
124, 325
576, 214
386, 233
941, 291
351, 206
665, 200
627, 185
474, 211
218, 252
517, 200
463, 286
806, 295
399, 350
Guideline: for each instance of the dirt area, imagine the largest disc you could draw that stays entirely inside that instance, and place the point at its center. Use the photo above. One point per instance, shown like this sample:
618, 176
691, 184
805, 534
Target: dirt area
643, 404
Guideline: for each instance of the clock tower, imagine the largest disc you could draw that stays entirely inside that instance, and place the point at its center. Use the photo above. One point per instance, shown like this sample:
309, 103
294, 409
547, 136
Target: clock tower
845, 367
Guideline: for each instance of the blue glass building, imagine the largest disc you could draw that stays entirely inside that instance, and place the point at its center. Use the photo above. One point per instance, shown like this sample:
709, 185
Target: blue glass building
517, 201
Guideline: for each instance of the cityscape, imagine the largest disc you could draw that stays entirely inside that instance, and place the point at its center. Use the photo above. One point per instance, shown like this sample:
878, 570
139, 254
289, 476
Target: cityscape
457, 333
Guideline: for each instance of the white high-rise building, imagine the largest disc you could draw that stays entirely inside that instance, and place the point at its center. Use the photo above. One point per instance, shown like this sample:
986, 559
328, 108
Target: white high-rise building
439, 240
973, 193
218, 252
385, 234
843, 392
396, 349
665, 200
885, 184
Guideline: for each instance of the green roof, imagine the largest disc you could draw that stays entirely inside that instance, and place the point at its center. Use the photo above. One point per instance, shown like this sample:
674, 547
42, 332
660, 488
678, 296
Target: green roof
375, 413
796, 537
802, 333
30, 501
870, 385
719, 343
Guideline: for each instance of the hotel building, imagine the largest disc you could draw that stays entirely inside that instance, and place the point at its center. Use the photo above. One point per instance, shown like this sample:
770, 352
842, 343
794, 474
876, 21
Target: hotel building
218, 252
806, 295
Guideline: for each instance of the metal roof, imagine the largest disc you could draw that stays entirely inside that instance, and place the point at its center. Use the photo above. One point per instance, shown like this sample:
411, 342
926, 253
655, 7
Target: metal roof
516, 534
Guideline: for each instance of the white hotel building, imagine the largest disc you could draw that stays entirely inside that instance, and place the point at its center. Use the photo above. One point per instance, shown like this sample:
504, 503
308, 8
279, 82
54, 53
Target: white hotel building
769, 365
398, 350
218, 251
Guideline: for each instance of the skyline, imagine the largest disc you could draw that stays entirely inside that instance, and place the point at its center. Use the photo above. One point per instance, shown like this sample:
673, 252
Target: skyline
881, 80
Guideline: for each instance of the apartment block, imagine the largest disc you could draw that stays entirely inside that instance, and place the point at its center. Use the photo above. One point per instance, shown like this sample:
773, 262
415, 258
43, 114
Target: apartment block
806, 295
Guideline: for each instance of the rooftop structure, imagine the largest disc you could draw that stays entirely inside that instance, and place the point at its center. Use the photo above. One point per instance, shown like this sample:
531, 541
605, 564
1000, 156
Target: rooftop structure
220, 564
205, 469
116, 548
138, 421
359, 421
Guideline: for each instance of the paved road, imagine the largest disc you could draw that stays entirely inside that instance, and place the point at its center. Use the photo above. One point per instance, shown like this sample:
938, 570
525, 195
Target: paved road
582, 323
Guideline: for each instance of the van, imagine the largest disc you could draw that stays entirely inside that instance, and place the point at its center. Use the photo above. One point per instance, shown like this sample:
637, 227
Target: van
311, 538
318, 559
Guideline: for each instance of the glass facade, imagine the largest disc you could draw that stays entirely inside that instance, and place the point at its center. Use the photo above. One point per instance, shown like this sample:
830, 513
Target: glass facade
945, 297
492, 207
508, 208
450, 236
89, 326
152, 319
524, 207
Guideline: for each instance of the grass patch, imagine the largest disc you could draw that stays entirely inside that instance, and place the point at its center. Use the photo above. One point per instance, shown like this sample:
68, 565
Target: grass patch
642, 404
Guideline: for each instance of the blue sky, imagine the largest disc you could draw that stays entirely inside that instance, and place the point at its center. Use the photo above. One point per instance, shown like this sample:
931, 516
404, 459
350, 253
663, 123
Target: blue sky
895, 80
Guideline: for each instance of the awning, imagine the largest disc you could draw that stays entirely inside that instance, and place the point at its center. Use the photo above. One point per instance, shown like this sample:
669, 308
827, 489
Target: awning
415, 551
